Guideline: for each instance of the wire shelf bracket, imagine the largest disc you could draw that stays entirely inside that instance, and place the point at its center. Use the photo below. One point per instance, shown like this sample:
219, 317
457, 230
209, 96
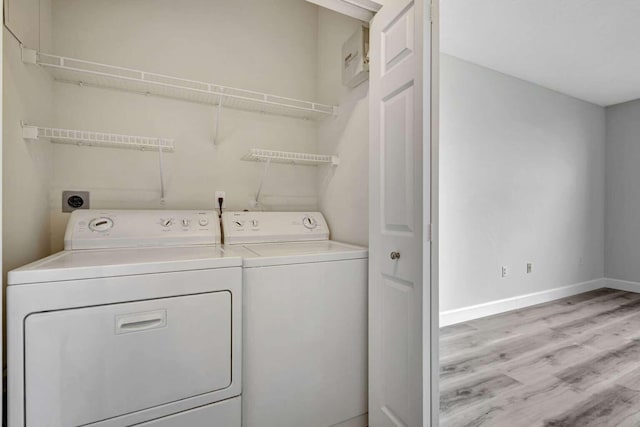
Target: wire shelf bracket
217, 122
101, 139
270, 156
87, 73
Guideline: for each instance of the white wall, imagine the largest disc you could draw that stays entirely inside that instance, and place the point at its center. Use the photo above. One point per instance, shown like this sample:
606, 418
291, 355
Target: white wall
344, 191
521, 180
252, 44
623, 192
26, 164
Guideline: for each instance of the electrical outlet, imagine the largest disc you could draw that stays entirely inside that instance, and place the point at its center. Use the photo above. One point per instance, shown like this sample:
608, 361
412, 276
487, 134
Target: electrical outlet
504, 271
72, 200
529, 268
224, 199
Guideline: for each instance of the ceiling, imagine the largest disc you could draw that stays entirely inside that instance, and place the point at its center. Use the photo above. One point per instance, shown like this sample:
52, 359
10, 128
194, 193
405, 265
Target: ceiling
589, 49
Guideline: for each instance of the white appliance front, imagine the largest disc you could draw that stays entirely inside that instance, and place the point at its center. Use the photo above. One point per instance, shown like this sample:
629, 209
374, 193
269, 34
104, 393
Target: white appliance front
219, 414
305, 345
304, 321
124, 336
193, 347
105, 361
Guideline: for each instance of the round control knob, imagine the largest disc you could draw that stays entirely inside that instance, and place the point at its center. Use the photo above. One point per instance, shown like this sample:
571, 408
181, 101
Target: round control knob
203, 221
186, 222
101, 224
254, 223
239, 224
395, 256
309, 222
166, 222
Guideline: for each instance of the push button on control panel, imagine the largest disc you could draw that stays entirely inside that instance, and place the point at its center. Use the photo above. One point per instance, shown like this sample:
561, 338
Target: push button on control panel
203, 221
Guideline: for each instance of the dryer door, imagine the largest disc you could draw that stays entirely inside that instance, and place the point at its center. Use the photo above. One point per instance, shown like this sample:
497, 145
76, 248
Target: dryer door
90, 364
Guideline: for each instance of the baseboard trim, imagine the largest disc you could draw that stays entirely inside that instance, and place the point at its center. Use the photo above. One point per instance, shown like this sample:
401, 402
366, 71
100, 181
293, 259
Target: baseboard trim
464, 314
622, 285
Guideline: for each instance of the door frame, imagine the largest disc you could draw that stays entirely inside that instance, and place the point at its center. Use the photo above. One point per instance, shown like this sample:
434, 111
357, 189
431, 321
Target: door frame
2, 292
434, 380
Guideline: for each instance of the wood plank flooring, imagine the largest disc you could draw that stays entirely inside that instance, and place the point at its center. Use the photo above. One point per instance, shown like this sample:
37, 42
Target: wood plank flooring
570, 362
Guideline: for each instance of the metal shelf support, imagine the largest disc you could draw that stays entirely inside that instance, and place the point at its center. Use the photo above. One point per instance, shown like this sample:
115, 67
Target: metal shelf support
287, 157
101, 139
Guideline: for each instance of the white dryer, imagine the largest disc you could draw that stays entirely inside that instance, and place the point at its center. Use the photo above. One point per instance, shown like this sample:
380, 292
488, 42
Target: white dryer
136, 322
305, 321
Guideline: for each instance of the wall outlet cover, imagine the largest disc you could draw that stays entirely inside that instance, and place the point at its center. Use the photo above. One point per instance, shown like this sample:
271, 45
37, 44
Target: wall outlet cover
72, 200
224, 199
504, 271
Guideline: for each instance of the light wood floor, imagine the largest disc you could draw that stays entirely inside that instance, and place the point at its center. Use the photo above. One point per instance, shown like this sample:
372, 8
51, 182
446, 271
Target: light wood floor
570, 362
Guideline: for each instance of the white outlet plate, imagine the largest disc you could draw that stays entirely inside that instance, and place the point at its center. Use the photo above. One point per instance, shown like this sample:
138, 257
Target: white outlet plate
504, 271
224, 199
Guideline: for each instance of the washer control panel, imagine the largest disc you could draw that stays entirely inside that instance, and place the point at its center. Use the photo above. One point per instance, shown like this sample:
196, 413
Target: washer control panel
103, 229
273, 227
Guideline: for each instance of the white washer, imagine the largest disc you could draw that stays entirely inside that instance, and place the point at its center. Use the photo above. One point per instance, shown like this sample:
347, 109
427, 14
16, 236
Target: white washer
138, 321
305, 321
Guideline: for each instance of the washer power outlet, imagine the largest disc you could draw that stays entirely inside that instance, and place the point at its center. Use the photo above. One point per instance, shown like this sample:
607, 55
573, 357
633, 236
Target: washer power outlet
72, 200
223, 195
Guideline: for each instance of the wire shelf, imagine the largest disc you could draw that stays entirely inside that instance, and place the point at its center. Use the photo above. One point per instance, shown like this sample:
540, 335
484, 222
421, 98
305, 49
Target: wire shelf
77, 71
259, 155
89, 138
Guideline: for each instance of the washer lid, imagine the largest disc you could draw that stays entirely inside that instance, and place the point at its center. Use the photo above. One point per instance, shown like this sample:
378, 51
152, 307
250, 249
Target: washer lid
92, 264
269, 254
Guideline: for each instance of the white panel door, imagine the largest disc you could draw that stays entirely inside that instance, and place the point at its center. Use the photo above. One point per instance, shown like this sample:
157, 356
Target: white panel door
399, 284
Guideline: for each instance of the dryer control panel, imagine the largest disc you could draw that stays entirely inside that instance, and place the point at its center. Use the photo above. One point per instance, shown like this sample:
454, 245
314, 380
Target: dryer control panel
273, 227
104, 229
